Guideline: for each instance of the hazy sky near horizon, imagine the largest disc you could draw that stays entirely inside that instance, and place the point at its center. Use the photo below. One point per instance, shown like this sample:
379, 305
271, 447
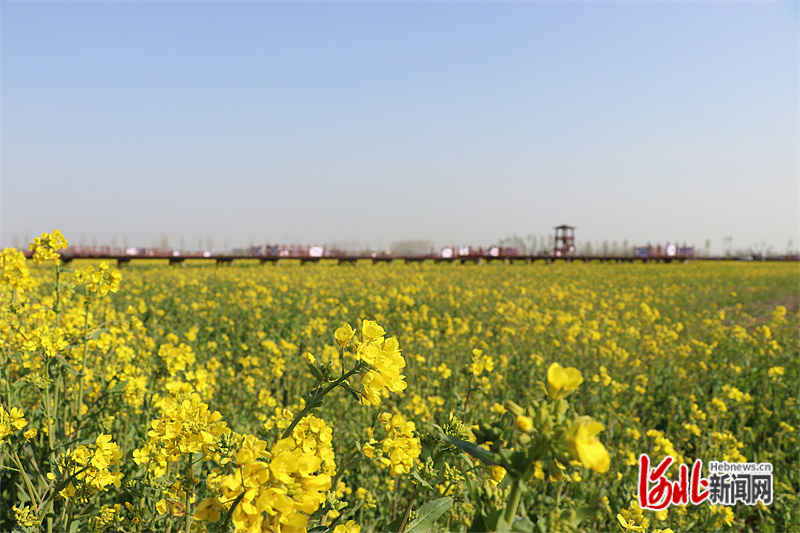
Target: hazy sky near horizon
461, 123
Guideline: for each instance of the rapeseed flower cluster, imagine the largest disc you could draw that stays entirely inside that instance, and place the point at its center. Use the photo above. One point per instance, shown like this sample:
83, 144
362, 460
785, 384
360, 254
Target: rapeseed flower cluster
105, 517
314, 436
386, 363
271, 491
10, 421
176, 358
185, 427
100, 281
46, 342
399, 449
480, 363
90, 469
14, 273
45, 246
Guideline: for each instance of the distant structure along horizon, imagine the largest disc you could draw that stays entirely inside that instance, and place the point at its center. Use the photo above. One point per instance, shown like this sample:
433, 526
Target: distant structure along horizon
564, 241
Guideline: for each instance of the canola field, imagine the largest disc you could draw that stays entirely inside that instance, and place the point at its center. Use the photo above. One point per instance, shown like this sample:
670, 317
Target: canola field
391, 397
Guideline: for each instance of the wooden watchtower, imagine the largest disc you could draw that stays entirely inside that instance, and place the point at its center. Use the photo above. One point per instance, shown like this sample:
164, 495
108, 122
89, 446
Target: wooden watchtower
565, 241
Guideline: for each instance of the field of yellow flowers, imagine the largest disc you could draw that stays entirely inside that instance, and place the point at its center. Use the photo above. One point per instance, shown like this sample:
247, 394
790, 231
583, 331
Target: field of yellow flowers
421, 397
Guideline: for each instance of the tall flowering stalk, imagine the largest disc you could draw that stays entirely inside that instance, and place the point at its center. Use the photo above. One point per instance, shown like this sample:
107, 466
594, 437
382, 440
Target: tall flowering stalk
544, 432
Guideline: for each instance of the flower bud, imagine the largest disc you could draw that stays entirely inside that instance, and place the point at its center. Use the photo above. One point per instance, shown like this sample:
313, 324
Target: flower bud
513, 408
524, 423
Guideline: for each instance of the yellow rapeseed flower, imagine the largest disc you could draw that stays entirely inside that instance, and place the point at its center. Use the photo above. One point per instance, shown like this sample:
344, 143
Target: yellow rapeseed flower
628, 526
562, 381
584, 445
371, 330
343, 335
349, 527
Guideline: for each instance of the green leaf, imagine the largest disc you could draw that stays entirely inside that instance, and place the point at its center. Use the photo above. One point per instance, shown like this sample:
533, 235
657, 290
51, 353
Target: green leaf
467, 459
523, 524
428, 514
584, 512
482, 454
392, 526
421, 481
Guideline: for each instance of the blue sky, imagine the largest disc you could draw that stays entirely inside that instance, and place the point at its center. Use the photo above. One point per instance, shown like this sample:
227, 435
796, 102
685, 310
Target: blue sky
461, 123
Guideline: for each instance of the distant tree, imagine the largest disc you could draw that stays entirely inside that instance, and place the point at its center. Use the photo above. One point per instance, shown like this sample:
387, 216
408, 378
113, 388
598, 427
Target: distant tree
727, 244
518, 243
605, 247
625, 249
708, 247
530, 243
587, 248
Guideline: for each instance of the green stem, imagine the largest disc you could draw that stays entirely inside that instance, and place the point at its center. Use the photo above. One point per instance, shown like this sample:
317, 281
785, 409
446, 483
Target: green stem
512, 503
31, 490
408, 510
57, 308
70, 507
315, 401
188, 527
342, 468
50, 420
34, 463
82, 375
